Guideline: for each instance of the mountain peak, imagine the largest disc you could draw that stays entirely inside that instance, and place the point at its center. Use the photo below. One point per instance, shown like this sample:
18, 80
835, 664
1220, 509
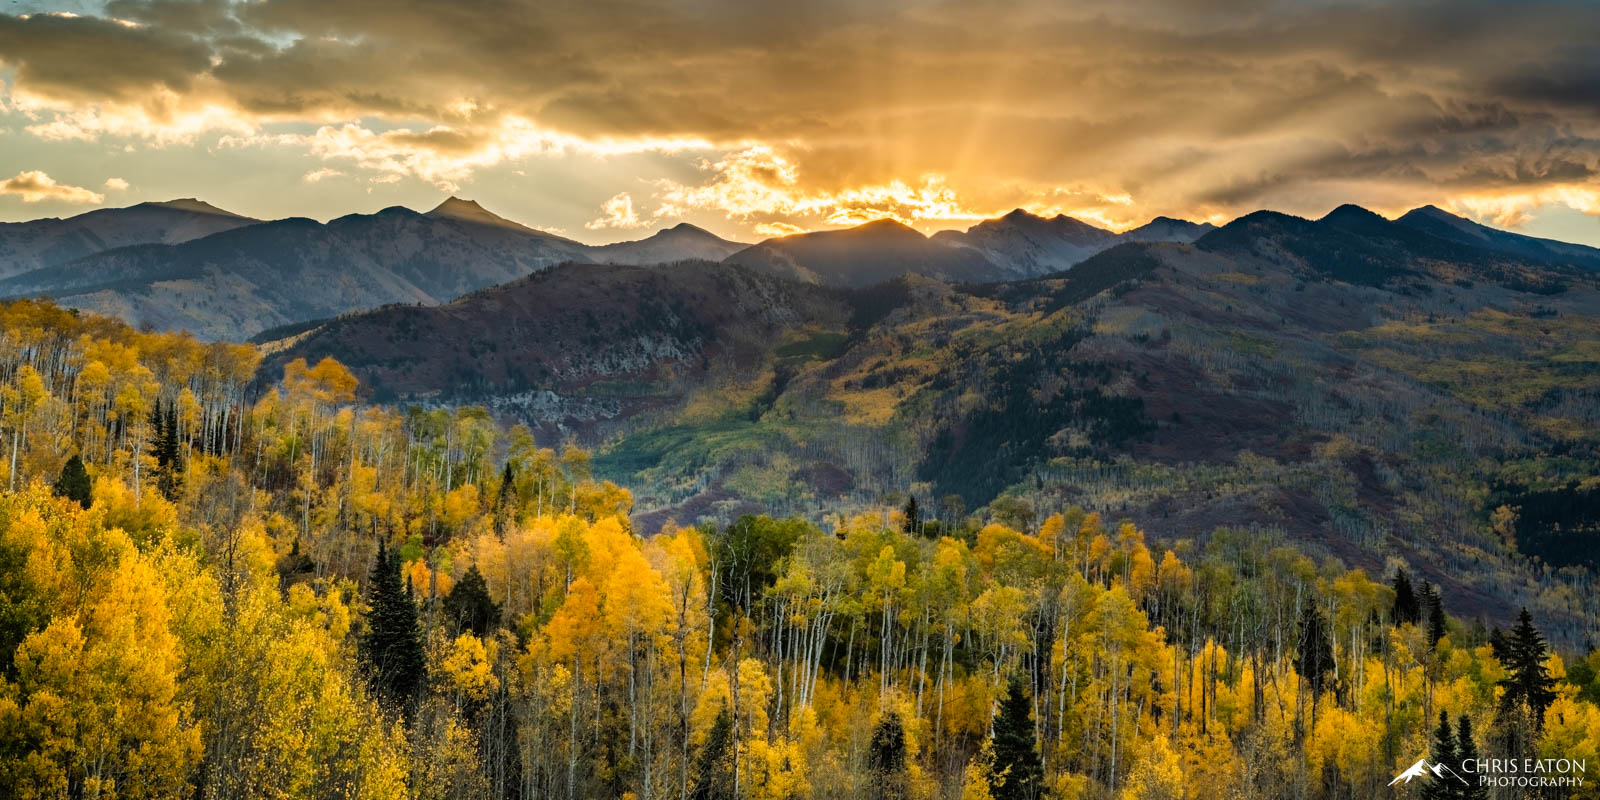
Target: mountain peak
193, 205
456, 207
1434, 212
469, 211
885, 225
1351, 211
684, 228
1168, 229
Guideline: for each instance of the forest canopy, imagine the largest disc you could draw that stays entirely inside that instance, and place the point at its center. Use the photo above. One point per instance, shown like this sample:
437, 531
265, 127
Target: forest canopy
212, 589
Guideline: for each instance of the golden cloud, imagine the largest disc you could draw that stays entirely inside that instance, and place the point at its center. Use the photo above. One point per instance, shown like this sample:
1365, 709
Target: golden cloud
33, 186
834, 113
616, 213
760, 182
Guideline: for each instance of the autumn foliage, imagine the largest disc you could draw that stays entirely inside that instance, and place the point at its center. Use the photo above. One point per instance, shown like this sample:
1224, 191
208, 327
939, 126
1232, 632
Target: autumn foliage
337, 600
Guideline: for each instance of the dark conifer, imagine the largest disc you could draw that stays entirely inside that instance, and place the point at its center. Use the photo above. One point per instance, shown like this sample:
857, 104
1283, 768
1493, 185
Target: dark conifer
1445, 785
1500, 645
164, 448
469, 603
1467, 750
1433, 609
508, 490
1406, 609
1315, 656
1527, 682
392, 646
913, 516
74, 482
1018, 770
886, 759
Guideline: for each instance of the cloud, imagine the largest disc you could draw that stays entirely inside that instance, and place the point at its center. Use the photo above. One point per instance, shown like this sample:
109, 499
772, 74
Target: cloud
444, 155
116, 184
759, 181
835, 111
615, 213
777, 229
1515, 209
33, 186
318, 174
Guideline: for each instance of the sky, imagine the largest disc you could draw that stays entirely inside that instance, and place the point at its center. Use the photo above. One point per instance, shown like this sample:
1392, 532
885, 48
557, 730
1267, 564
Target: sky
603, 120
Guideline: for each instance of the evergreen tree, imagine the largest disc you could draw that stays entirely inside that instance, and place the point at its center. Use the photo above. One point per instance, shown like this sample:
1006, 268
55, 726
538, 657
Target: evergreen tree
714, 767
508, 490
392, 646
1432, 608
1406, 609
74, 482
164, 448
886, 759
1444, 786
1315, 656
1527, 682
1436, 619
913, 516
1467, 750
1500, 645
469, 603
1018, 770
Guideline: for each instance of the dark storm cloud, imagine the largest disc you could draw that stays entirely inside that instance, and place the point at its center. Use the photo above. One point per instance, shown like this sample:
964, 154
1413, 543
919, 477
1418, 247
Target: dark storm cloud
1211, 107
1570, 80
90, 58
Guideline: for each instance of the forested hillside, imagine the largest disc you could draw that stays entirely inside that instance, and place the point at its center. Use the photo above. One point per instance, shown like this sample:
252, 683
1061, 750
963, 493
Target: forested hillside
1366, 390
211, 592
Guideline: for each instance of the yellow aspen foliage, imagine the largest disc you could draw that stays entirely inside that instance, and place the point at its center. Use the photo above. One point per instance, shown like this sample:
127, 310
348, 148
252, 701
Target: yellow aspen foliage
221, 644
467, 667
426, 581
95, 694
978, 775
1572, 731
1157, 773
460, 506
327, 383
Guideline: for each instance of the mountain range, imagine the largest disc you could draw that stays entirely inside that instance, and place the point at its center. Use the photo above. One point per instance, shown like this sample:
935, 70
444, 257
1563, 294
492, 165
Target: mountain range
1356, 383
45, 243
188, 265
1365, 386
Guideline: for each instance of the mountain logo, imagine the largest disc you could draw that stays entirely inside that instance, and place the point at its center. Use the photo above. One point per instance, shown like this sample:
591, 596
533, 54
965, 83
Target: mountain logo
1422, 767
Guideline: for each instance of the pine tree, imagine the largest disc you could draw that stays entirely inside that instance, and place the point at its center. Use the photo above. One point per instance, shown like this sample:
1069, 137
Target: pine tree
1432, 608
1527, 682
1444, 786
1500, 645
392, 646
165, 449
469, 603
1467, 750
74, 482
913, 516
1436, 620
508, 490
1018, 770
714, 767
886, 758
1406, 610
1315, 657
